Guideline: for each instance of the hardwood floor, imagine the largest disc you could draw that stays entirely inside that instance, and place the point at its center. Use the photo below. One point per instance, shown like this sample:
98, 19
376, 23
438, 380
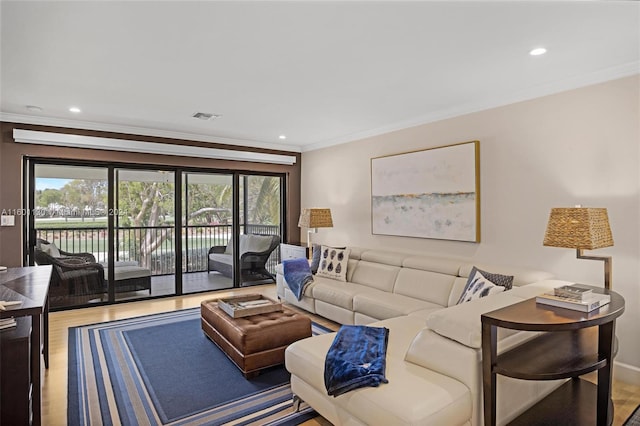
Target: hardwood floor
54, 392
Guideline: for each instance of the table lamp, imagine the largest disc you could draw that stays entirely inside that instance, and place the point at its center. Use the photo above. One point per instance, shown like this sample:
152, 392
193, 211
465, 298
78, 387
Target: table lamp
314, 219
581, 228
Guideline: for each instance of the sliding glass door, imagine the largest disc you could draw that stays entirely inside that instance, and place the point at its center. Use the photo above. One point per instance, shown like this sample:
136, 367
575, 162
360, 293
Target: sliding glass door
68, 229
260, 211
207, 232
145, 243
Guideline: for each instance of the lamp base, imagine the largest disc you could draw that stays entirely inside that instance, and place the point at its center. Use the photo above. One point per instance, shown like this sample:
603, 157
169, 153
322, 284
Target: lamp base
309, 232
607, 266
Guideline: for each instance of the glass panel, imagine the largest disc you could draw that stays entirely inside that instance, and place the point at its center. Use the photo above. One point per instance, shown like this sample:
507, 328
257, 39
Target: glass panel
70, 212
145, 239
260, 209
207, 203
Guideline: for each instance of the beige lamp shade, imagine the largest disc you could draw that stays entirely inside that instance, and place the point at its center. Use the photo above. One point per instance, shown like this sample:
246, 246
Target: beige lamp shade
315, 218
578, 228
581, 228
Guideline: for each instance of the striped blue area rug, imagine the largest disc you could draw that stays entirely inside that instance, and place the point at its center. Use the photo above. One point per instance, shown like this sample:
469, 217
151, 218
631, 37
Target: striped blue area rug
634, 418
162, 370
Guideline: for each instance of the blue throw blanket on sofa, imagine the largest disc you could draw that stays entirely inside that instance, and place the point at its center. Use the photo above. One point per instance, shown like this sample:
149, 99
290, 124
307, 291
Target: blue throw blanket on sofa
356, 358
297, 274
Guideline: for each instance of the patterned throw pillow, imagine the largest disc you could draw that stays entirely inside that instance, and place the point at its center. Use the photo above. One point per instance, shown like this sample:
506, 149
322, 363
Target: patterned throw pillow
333, 263
505, 281
481, 284
316, 251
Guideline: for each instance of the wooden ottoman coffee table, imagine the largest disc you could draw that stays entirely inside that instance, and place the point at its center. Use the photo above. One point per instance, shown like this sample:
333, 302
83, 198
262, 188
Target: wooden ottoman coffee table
254, 342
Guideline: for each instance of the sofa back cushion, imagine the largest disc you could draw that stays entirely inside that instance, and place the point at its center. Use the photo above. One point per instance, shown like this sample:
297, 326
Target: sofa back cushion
250, 242
521, 276
427, 278
384, 257
434, 264
424, 285
375, 275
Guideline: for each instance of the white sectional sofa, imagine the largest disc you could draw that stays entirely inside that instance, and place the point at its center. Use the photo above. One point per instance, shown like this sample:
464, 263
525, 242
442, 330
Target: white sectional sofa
434, 364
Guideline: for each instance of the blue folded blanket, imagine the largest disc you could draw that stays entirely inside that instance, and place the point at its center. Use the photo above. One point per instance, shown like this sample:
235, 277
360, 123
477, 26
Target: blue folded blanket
356, 358
297, 274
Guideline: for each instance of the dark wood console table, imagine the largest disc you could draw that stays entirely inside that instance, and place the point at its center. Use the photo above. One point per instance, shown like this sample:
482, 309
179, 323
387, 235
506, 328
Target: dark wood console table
574, 343
30, 285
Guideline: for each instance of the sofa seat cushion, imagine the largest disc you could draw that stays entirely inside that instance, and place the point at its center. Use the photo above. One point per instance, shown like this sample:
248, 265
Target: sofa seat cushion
120, 263
413, 396
128, 272
227, 259
337, 293
383, 305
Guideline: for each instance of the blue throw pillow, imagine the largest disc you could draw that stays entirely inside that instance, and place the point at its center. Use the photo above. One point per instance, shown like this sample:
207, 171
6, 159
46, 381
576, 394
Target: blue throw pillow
315, 257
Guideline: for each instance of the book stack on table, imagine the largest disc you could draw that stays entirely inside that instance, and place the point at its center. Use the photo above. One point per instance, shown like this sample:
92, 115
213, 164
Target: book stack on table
7, 323
577, 297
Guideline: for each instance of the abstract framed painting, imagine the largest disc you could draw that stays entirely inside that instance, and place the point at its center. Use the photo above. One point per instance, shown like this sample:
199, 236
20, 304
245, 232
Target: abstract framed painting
432, 193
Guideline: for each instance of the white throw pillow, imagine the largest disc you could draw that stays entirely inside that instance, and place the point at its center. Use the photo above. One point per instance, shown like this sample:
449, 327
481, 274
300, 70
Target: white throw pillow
478, 286
333, 263
229, 248
50, 249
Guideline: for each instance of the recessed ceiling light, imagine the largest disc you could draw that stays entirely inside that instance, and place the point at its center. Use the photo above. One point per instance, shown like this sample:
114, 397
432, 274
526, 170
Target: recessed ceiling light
283, 137
538, 51
34, 108
74, 110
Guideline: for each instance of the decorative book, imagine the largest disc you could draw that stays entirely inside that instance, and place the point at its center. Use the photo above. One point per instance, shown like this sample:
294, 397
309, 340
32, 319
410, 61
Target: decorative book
7, 323
574, 291
591, 303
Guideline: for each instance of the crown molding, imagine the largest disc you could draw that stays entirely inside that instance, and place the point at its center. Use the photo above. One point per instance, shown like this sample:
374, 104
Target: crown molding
139, 131
576, 82
109, 144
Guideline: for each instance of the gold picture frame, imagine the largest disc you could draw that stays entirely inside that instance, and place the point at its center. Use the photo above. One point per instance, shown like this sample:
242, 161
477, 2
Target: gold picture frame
430, 193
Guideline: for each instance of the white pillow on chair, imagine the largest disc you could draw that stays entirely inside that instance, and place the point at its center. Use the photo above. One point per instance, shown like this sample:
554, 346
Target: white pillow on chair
50, 249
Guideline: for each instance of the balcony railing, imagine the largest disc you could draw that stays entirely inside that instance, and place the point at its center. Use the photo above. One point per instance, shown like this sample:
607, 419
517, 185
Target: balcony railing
153, 246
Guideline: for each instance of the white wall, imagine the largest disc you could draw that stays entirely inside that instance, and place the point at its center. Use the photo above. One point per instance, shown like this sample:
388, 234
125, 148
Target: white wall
575, 147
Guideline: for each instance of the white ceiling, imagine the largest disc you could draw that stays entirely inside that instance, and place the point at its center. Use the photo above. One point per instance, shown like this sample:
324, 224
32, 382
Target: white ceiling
320, 73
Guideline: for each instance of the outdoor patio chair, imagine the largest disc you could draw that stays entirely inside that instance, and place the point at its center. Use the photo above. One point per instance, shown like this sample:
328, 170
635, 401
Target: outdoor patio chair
76, 277
255, 250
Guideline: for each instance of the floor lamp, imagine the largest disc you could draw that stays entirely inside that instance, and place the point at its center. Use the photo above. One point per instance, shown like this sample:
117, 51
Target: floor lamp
581, 228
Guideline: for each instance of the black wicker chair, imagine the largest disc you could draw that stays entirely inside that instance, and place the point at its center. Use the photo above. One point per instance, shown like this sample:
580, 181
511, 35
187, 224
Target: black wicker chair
76, 277
252, 263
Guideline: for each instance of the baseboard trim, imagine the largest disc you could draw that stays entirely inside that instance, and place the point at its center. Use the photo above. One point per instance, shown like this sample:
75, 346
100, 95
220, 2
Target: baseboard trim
626, 373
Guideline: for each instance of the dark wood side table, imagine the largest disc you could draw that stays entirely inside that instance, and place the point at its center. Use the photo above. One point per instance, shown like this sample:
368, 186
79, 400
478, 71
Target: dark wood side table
574, 343
30, 285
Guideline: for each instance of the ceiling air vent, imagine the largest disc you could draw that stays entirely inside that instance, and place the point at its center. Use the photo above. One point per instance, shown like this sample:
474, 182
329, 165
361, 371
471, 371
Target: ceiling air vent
206, 116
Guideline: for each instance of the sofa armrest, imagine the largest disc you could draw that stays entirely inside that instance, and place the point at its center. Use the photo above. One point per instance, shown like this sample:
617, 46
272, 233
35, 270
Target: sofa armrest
462, 322
217, 249
88, 257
